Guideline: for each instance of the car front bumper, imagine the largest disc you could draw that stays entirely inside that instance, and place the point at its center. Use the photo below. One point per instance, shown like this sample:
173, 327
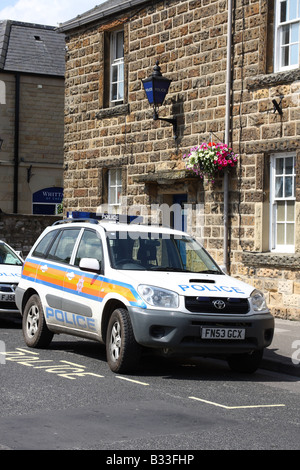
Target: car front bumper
180, 332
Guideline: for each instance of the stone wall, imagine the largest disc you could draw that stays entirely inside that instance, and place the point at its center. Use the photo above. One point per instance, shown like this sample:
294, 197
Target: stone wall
21, 231
189, 38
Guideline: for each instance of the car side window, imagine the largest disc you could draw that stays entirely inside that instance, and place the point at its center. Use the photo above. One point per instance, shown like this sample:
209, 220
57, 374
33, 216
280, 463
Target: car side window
43, 246
90, 246
62, 248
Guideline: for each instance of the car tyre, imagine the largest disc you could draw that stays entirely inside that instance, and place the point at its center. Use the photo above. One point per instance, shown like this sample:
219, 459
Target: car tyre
122, 350
35, 330
245, 363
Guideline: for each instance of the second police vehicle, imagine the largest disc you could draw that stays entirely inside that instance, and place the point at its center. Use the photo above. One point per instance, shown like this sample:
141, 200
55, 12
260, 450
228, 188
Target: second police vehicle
133, 286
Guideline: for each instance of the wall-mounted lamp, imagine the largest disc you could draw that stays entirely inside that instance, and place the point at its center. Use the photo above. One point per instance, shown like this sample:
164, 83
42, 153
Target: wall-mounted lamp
156, 87
1, 142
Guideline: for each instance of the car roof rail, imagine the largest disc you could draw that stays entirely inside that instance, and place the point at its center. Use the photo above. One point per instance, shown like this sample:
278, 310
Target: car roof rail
72, 221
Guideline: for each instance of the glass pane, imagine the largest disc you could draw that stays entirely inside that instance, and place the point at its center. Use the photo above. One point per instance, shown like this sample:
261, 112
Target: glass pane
294, 54
112, 196
288, 186
290, 234
289, 166
285, 56
114, 70
295, 33
293, 9
281, 211
114, 92
279, 166
121, 91
113, 177
121, 71
119, 45
279, 187
283, 12
285, 35
280, 234
290, 211
118, 176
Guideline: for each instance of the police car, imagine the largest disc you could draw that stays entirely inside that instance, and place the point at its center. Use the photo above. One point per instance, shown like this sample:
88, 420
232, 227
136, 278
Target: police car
10, 273
133, 286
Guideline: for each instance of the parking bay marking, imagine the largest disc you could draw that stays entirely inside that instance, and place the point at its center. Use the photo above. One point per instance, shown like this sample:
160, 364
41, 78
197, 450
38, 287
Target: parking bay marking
131, 380
235, 407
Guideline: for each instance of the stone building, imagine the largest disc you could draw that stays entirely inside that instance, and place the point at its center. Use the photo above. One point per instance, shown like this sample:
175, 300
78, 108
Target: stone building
117, 155
32, 65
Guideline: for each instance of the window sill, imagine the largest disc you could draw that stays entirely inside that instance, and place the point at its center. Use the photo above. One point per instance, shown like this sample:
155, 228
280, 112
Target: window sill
273, 79
119, 110
277, 260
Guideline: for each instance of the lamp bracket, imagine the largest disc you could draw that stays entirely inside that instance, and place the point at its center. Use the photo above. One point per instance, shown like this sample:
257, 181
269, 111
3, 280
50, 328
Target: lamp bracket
278, 106
172, 121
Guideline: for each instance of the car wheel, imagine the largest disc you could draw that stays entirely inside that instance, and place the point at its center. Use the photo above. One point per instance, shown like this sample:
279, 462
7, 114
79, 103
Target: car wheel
123, 352
35, 330
246, 363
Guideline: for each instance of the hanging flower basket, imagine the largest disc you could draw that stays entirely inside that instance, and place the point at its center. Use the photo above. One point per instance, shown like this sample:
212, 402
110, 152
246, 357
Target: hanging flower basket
210, 159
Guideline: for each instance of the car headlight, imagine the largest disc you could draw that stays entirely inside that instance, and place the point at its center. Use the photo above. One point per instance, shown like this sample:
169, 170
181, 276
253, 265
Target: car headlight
159, 297
258, 301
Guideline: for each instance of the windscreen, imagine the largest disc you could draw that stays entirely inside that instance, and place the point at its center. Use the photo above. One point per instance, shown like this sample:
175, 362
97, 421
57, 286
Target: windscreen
8, 257
158, 252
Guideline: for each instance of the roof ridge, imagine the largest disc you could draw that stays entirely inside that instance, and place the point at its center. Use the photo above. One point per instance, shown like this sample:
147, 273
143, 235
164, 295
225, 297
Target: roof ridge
29, 25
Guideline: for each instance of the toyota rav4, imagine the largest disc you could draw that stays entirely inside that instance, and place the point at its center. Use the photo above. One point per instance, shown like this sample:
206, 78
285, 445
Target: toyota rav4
133, 286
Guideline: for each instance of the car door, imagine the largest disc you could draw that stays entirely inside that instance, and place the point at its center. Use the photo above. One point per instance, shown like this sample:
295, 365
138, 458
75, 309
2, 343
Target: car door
51, 273
81, 297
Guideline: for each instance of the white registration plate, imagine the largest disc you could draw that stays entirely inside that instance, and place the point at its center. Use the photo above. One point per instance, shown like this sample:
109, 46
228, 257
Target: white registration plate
7, 297
223, 333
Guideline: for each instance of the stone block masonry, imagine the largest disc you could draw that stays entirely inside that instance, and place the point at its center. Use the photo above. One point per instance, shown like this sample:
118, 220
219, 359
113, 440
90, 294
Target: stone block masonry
189, 38
22, 231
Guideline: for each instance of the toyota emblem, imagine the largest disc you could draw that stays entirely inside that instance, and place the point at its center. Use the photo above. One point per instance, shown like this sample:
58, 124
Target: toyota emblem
219, 304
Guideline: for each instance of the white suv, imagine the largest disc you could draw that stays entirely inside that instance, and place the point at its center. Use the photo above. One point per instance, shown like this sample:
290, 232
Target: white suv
133, 286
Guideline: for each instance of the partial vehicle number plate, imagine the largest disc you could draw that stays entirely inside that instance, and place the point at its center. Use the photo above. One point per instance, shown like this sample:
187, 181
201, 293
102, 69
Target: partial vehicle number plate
223, 333
7, 297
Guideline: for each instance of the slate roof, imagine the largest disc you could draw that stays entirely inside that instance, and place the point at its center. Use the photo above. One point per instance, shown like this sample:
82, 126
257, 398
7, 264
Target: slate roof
31, 48
110, 7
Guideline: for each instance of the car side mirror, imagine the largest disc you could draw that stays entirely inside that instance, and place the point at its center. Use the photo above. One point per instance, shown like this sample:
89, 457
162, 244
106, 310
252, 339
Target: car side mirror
90, 264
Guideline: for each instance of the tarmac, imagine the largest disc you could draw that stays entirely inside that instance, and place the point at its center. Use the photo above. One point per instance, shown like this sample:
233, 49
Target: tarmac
283, 355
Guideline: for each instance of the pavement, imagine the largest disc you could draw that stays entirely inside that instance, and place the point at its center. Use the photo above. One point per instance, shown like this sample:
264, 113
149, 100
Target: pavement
283, 355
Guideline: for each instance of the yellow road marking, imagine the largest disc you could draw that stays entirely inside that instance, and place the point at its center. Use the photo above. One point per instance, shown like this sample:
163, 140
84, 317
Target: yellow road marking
234, 407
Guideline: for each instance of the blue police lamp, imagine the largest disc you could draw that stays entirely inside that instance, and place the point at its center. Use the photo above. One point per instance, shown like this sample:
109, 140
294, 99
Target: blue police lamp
156, 87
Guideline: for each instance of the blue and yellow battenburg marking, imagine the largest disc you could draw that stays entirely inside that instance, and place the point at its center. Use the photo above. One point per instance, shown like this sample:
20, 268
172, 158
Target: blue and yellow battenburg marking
89, 286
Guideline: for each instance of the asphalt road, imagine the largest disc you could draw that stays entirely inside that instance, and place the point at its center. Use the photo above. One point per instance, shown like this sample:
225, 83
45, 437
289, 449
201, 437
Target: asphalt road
66, 397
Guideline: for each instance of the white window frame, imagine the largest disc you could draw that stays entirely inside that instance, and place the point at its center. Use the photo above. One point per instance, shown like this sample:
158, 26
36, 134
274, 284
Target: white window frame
114, 188
280, 26
116, 69
276, 199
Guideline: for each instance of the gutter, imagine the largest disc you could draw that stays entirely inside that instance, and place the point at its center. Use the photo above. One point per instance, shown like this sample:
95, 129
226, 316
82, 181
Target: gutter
227, 132
98, 13
16, 142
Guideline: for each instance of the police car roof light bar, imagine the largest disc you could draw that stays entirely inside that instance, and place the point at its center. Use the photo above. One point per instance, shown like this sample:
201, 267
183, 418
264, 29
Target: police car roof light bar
94, 218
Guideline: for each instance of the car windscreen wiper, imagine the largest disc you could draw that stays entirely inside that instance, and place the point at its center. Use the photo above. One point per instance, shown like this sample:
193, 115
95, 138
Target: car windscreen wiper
211, 271
168, 268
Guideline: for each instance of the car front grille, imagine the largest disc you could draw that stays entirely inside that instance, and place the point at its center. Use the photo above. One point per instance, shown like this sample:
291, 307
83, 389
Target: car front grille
221, 305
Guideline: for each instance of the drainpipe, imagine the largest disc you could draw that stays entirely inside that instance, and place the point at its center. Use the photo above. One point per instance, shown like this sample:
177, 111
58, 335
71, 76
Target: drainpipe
16, 141
227, 131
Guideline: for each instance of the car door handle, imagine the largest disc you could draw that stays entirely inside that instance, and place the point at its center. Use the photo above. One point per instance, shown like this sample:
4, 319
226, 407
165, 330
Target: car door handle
44, 268
70, 276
